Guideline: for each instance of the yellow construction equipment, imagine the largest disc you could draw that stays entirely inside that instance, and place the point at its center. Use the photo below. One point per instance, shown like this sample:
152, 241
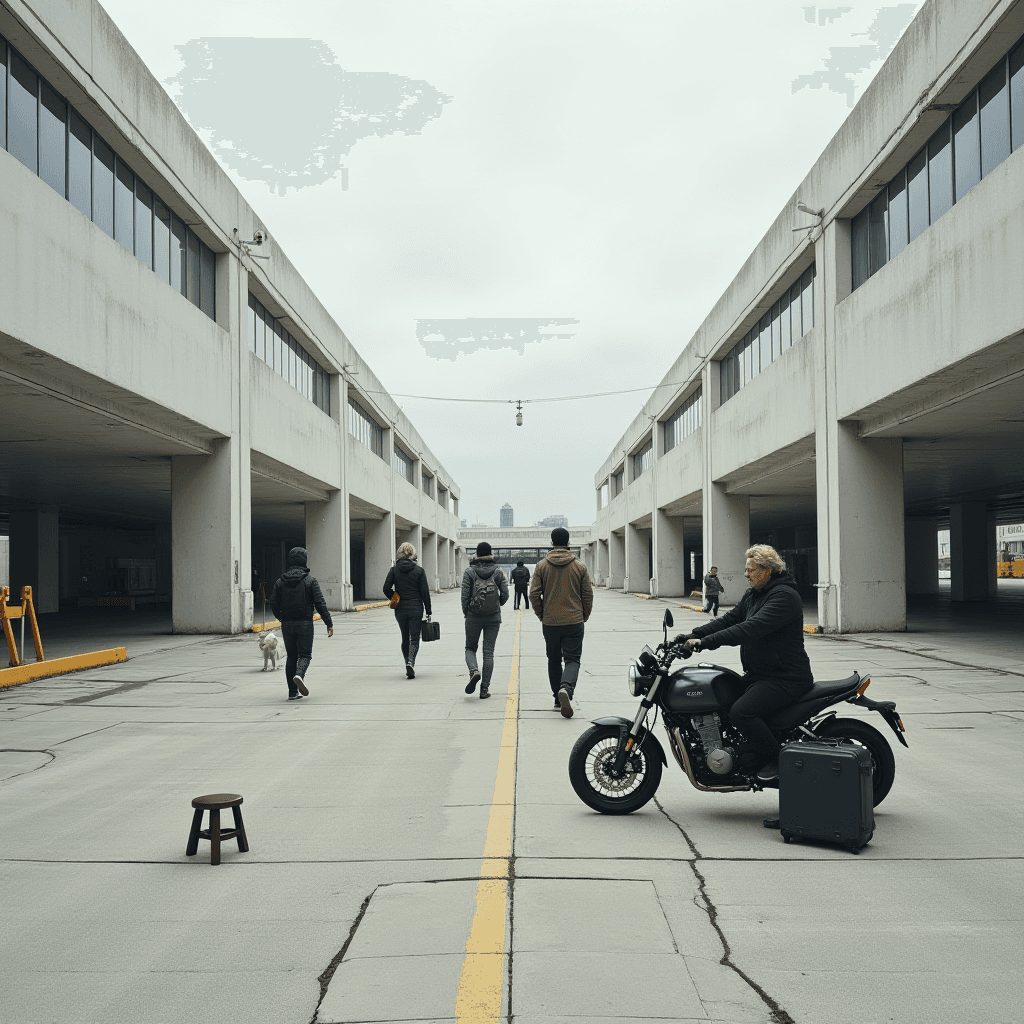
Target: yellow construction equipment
27, 611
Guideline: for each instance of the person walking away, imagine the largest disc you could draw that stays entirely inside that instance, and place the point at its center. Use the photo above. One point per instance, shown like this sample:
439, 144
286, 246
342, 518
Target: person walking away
713, 589
767, 623
295, 596
562, 597
484, 591
409, 582
521, 581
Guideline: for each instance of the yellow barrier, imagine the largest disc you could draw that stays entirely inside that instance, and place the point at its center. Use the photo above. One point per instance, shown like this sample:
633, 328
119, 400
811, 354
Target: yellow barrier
27, 611
1010, 570
59, 666
262, 627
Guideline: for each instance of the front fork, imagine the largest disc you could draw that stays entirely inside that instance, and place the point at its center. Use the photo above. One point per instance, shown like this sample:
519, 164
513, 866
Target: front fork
628, 740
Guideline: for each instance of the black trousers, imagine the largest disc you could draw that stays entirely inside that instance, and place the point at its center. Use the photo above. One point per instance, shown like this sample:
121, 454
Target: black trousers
522, 593
410, 627
564, 643
298, 643
748, 714
712, 604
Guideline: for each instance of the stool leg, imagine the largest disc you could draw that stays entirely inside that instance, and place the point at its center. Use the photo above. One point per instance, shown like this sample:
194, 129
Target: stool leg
214, 835
243, 841
193, 836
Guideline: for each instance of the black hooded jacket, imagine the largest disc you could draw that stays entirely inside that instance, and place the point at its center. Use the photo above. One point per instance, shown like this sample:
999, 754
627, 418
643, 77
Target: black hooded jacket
768, 624
410, 581
520, 577
298, 575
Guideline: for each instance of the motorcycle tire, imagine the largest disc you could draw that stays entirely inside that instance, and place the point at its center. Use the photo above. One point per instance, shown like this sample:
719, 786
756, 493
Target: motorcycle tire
882, 760
595, 749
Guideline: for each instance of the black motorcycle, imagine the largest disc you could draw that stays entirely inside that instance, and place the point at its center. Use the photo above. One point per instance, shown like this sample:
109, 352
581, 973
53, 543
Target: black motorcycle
615, 766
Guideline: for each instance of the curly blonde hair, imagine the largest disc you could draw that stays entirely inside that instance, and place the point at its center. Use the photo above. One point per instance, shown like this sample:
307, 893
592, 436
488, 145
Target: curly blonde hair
407, 551
766, 557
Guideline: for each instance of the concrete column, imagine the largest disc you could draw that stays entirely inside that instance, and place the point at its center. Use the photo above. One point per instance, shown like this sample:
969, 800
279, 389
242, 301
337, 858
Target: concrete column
380, 554
429, 559
416, 540
726, 538
920, 539
339, 413
638, 571
968, 551
601, 577
35, 556
207, 542
616, 561
325, 546
669, 565
992, 557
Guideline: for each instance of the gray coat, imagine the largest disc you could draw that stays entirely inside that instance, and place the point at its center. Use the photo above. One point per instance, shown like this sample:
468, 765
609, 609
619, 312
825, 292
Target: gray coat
483, 568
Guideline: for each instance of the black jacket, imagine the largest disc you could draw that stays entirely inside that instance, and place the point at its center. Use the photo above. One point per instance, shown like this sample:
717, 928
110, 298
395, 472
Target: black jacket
520, 577
713, 585
483, 568
314, 598
768, 624
409, 579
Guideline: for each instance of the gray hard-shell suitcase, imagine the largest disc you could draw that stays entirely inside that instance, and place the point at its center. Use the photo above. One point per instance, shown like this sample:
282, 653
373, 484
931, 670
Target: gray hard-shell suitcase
826, 791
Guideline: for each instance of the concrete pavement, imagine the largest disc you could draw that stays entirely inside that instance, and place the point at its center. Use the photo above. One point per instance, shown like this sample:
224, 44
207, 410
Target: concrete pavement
367, 807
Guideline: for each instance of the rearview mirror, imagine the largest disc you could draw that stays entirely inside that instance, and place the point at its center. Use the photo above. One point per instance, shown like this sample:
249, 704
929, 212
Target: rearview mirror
668, 619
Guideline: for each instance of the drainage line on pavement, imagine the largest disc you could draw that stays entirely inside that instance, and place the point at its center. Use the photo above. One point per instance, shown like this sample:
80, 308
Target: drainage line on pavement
779, 1015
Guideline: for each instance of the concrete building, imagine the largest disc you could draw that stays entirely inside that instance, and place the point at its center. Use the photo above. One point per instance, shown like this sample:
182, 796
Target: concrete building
860, 384
178, 408
527, 543
552, 522
507, 516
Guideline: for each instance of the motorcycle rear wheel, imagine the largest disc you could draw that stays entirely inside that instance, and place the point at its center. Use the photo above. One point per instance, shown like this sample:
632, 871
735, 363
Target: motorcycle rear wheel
593, 754
882, 761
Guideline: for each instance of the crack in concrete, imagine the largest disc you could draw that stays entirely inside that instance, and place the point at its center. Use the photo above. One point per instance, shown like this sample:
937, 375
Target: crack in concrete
917, 654
328, 974
779, 1015
22, 750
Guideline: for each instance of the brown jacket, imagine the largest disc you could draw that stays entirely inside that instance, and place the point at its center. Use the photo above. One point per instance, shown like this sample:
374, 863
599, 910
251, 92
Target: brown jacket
560, 592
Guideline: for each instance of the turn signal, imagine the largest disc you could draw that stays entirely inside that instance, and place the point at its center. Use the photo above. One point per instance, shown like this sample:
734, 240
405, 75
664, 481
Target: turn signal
863, 686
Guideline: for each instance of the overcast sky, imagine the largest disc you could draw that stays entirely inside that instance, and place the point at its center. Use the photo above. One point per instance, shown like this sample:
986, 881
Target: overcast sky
607, 163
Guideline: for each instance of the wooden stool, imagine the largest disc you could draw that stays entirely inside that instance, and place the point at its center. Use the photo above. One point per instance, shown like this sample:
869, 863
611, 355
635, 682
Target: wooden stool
214, 803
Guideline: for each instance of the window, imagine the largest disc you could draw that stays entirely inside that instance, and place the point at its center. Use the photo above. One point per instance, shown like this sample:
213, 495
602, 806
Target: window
39, 128
643, 460
267, 337
980, 135
402, 463
790, 319
684, 421
618, 481
428, 485
363, 427
442, 497
602, 496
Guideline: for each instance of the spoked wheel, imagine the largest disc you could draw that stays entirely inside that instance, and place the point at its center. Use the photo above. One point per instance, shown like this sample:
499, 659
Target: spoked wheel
593, 776
882, 761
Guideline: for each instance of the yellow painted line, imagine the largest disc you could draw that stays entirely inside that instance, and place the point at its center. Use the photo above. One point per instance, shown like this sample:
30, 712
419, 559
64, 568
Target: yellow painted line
58, 666
375, 604
259, 627
642, 597
811, 629
693, 607
482, 981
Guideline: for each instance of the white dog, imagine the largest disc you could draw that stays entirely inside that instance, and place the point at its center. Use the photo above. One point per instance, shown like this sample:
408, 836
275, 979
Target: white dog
269, 645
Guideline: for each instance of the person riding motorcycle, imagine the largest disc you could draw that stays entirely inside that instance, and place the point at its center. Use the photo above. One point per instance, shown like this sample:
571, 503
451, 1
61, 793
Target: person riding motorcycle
767, 624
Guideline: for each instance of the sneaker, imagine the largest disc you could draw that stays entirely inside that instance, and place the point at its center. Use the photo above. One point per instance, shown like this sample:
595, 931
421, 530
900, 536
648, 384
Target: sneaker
474, 678
565, 703
295, 695
557, 707
300, 686
769, 773
484, 692
410, 672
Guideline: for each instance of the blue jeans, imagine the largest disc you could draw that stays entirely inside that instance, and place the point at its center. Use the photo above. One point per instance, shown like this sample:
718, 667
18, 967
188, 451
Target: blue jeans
474, 627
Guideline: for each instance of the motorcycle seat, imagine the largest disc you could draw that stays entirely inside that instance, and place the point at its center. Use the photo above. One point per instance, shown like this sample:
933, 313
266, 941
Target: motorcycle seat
830, 687
819, 696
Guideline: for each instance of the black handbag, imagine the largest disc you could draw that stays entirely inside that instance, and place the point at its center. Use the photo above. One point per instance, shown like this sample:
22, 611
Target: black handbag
430, 631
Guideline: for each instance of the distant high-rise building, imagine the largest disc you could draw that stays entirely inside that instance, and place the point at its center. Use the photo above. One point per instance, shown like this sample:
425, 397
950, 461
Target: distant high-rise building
506, 515
552, 522
462, 524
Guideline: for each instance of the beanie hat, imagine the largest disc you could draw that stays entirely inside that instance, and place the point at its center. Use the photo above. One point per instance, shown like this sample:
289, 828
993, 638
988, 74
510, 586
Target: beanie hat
483, 549
560, 537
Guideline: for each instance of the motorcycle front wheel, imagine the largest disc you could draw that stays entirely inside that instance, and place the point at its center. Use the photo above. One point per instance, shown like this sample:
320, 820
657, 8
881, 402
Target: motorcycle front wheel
884, 764
591, 772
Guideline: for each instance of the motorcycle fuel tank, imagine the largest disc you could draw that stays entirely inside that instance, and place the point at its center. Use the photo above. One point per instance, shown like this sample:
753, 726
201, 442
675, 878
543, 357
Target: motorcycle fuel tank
699, 690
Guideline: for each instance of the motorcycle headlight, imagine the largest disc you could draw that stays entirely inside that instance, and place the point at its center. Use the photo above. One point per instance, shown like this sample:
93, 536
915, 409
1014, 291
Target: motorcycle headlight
638, 683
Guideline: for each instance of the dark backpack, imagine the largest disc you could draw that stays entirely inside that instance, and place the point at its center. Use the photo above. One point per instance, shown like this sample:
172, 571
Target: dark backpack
293, 600
484, 599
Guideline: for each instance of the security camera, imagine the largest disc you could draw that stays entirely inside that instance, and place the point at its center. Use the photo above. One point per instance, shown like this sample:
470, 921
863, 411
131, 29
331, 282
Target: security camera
258, 237
804, 208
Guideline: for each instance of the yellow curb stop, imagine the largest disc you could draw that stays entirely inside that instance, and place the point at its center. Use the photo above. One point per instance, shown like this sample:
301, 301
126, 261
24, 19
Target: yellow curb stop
59, 666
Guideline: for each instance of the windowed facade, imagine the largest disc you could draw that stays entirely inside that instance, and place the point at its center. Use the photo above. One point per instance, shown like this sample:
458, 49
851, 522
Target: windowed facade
684, 421
442, 497
269, 341
402, 464
789, 320
40, 128
618, 482
428, 485
978, 136
602, 496
364, 428
643, 459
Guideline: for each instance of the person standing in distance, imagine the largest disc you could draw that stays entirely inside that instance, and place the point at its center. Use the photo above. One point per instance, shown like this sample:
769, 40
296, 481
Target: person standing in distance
713, 589
409, 581
295, 596
521, 581
484, 591
562, 597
